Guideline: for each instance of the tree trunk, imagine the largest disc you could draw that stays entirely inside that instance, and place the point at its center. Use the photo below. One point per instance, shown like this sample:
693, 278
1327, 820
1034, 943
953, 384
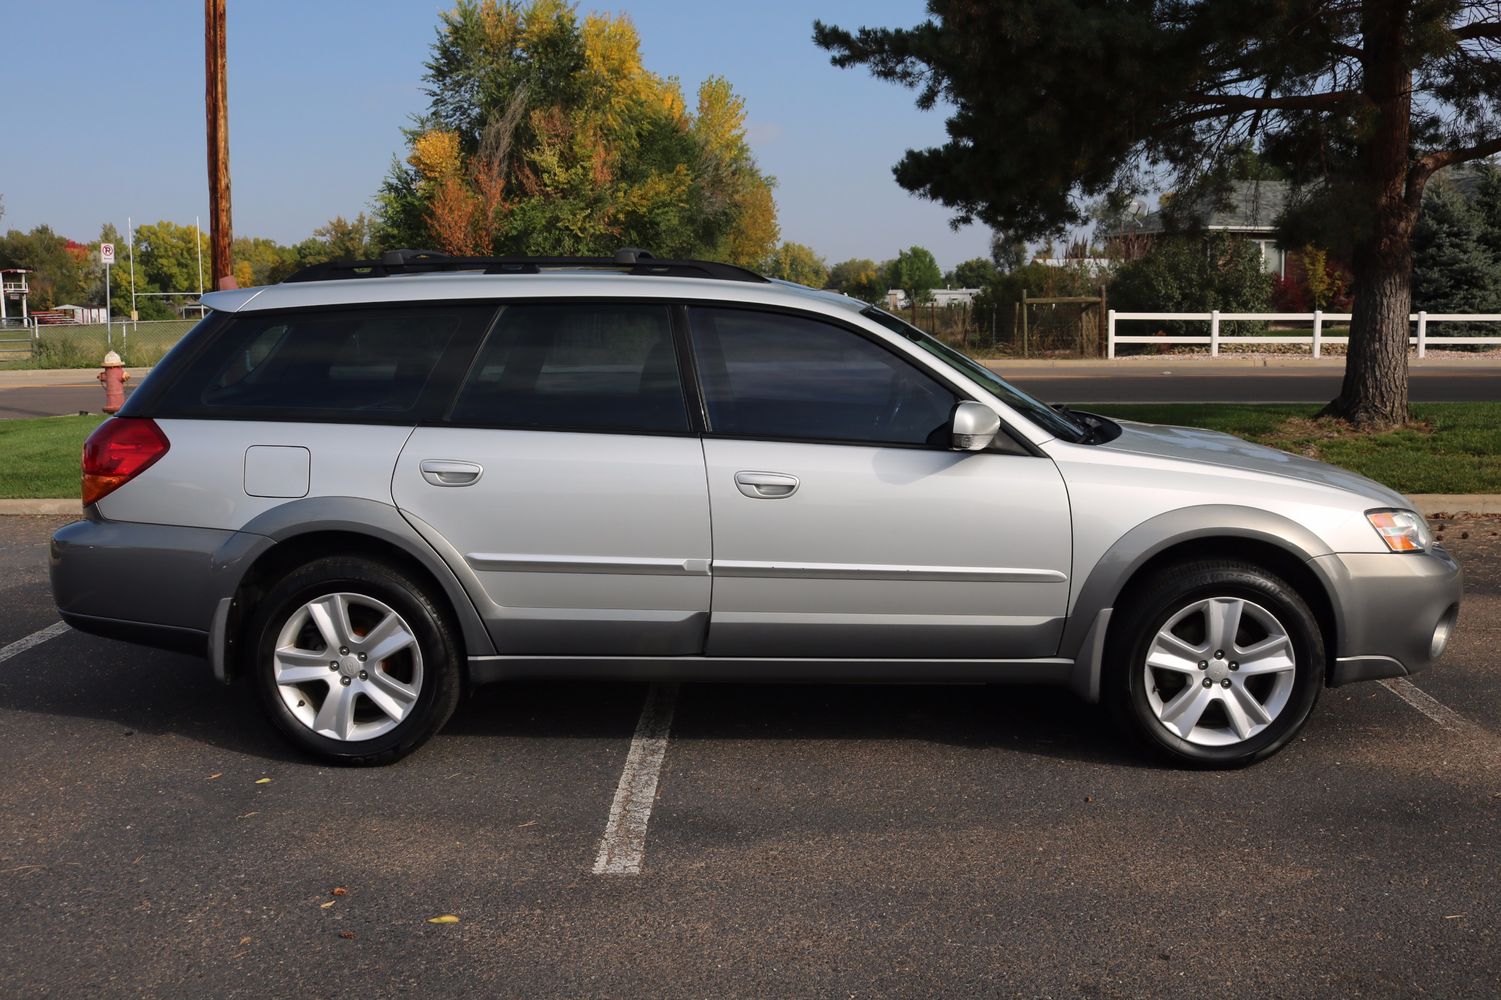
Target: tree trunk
1375, 386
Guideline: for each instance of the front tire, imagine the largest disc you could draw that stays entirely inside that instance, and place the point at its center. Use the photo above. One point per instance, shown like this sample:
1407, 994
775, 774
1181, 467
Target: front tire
354, 661
1215, 663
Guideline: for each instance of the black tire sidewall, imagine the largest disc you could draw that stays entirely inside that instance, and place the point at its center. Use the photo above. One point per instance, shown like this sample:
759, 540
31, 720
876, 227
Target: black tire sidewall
1167, 595
435, 638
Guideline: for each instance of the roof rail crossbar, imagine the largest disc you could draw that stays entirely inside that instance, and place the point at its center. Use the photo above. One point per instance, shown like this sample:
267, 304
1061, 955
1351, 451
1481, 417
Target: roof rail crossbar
627, 260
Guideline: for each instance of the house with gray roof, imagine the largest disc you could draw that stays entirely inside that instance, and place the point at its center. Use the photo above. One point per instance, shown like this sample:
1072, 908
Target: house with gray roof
1247, 211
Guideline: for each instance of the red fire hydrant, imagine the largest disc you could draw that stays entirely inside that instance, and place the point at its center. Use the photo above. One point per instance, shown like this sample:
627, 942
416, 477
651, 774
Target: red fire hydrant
114, 376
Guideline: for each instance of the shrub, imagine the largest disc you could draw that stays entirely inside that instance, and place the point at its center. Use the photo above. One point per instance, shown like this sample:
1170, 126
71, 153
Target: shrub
1186, 273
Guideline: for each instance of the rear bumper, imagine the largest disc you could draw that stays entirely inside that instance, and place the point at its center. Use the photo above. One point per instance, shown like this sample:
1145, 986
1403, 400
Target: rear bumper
1389, 607
153, 584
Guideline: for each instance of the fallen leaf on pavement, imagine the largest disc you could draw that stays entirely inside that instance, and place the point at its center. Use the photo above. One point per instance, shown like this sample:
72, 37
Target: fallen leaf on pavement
347, 935
447, 918
339, 890
263, 781
216, 775
324, 906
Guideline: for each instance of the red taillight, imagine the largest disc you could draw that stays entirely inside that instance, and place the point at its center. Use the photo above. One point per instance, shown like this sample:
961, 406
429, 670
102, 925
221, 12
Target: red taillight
119, 450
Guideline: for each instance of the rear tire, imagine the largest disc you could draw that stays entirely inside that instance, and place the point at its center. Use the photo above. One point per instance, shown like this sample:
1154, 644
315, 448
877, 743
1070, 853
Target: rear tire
353, 661
1216, 664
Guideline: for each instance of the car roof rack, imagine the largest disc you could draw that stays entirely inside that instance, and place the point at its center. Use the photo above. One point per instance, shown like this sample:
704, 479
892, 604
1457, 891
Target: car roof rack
627, 260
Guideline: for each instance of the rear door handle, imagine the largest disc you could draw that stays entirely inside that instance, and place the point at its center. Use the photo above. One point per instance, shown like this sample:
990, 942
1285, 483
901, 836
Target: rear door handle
766, 485
445, 473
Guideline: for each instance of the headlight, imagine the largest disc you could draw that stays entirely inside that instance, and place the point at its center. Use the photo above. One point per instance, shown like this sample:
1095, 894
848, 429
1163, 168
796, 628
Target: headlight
1401, 530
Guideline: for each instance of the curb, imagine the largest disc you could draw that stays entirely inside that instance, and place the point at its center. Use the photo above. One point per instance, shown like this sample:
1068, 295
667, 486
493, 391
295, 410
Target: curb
49, 378
34, 507
1431, 504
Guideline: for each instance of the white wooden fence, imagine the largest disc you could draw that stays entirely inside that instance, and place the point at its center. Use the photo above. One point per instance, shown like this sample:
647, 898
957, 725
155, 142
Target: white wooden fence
1316, 339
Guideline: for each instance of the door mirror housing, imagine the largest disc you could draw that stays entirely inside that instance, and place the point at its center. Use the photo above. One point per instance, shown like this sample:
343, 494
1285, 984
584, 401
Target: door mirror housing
975, 426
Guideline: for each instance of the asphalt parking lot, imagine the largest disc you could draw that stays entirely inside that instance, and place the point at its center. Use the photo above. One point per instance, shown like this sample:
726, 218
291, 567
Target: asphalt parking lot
802, 840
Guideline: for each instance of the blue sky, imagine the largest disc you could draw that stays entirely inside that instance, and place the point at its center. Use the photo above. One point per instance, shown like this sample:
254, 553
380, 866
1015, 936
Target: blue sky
319, 90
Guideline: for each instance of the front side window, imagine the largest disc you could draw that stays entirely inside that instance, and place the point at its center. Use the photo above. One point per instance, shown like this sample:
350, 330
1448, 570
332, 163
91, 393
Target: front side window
1041, 414
578, 366
773, 375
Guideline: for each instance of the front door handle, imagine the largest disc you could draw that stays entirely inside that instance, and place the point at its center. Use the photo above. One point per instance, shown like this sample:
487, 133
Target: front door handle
766, 485
446, 473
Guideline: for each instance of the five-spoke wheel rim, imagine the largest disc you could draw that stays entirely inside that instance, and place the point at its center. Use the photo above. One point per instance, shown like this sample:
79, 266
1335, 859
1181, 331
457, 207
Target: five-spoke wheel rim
348, 667
1219, 671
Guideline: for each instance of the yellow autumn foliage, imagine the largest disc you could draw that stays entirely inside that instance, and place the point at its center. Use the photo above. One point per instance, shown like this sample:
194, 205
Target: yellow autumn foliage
435, 154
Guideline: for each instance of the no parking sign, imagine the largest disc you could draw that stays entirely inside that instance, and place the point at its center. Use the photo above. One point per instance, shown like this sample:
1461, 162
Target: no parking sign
106, 253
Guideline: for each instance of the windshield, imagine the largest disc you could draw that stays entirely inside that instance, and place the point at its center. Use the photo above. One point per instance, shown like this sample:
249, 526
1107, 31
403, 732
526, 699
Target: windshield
1039, 413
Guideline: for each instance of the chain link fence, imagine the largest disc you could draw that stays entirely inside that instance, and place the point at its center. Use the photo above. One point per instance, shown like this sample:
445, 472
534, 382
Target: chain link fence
140, 345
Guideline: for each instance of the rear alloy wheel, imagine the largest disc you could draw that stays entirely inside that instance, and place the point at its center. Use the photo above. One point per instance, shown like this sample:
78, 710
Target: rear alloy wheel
1219, 664
348, 667
354, 661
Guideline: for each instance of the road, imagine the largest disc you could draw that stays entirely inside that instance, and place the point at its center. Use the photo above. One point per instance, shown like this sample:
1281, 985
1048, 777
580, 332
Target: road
803, 841
1137, 382
1065, 382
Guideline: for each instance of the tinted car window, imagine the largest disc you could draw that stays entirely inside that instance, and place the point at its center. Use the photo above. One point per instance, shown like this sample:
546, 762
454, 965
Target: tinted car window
371, 360
580, 366
780, 376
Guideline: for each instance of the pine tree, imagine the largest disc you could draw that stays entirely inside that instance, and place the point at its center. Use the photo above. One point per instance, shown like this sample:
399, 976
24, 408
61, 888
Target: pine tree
1456, 263
1055, 102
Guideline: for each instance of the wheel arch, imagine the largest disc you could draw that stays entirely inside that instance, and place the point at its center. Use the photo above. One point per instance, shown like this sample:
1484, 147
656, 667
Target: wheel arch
1279, 544
288, 536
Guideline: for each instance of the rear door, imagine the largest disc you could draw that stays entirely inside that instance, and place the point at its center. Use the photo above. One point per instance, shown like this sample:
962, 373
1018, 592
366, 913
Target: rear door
843, 524
568, 482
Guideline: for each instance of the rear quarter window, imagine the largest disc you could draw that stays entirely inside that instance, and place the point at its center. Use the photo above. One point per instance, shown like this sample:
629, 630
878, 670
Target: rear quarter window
375, 363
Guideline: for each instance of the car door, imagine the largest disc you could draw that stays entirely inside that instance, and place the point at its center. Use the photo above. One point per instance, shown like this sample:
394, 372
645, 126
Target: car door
567, 484
843, 525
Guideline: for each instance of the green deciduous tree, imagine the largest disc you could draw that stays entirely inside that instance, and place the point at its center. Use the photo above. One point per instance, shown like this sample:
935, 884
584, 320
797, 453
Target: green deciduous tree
167, 255
62, 269
916, 272
859, 278
346, 239
545, 134
975, 273
796, 262
1055, 101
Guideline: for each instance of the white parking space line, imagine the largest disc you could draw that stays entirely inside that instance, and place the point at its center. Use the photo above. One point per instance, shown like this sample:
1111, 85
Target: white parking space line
34, 639
623, 846
1433, 708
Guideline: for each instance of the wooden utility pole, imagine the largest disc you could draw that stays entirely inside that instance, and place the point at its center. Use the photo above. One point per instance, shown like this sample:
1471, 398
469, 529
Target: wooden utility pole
216, 106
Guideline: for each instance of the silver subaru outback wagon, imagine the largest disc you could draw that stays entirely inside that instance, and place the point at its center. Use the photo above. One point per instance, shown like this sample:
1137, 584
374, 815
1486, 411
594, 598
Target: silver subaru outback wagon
374, 484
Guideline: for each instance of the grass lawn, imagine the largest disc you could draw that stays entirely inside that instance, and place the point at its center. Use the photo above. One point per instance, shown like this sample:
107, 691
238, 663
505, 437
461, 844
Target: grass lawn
39, 458
1450, 448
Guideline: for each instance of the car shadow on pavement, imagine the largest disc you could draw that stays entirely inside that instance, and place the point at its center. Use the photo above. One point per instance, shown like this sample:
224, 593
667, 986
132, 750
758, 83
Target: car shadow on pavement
145, 692
1024, 719
151, 692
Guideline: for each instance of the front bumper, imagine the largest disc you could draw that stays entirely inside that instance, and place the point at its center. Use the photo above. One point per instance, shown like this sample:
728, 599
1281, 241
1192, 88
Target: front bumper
153, 584
1388, 606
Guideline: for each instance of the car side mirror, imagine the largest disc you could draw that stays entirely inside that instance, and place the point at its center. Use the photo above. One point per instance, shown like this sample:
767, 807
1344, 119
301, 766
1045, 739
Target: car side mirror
975, 426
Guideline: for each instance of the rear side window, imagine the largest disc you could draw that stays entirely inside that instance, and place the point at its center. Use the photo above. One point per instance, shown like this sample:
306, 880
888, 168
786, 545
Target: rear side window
373, 362
586, 366
772, 375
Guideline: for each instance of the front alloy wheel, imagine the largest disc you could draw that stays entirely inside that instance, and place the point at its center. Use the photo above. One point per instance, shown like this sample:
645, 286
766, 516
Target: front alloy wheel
1218, 663
1219, 671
